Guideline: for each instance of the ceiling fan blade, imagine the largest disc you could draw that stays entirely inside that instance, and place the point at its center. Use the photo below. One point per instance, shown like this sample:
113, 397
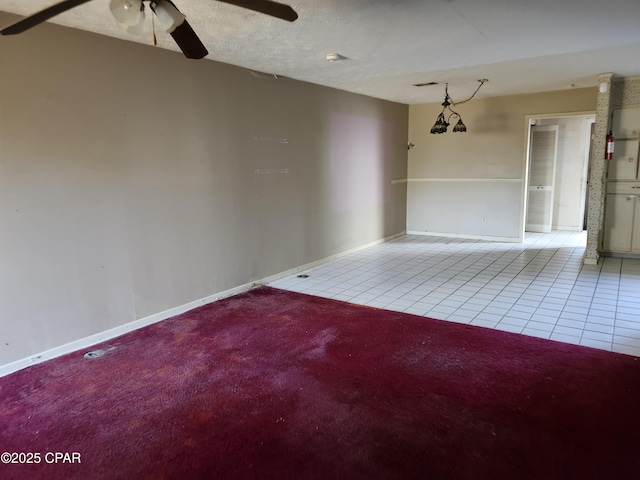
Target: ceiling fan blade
275, 9
174, 22
189, 42
42, 16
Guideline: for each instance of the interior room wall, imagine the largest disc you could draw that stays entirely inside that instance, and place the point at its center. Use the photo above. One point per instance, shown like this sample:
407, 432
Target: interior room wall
471, 184
614, 92
133, 181
571, 170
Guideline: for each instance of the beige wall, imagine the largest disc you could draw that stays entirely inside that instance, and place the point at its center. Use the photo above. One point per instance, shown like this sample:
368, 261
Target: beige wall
133, 181
457, 179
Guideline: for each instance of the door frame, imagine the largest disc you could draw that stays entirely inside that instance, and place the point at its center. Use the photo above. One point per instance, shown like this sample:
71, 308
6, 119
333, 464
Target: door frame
525, 167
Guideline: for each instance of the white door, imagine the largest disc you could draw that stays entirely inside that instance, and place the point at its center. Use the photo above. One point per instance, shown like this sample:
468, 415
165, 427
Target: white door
635, 234
543, 147
618, 223
624, 165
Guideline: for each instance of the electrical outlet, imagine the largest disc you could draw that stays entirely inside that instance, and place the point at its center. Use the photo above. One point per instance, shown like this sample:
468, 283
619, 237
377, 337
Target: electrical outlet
484, 219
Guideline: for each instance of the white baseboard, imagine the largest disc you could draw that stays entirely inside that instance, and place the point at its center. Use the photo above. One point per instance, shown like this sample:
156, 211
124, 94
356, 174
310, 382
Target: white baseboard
460, 235
85, 343
566, 228
100, 337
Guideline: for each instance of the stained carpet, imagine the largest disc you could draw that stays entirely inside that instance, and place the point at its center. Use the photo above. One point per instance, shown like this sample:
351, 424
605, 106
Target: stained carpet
278, 385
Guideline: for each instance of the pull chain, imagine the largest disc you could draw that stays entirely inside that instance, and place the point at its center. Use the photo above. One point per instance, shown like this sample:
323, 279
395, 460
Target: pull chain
153, 28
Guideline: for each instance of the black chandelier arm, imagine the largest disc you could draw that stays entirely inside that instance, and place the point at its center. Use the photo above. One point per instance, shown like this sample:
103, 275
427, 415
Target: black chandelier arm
452, 114
482, 82
441, 124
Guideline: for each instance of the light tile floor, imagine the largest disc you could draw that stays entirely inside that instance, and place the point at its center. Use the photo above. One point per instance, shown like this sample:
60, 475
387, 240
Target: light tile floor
538, 287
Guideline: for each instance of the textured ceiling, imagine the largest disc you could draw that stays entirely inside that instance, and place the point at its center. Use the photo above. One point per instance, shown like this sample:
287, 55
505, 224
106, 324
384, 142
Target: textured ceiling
521, 46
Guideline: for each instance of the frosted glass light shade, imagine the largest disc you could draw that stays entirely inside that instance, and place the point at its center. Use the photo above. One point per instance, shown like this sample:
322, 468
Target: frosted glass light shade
129, 14
168, 15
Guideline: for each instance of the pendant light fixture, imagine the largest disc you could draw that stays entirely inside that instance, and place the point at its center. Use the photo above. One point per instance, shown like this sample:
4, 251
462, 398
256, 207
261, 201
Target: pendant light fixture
168, 15
442, 123
129, 14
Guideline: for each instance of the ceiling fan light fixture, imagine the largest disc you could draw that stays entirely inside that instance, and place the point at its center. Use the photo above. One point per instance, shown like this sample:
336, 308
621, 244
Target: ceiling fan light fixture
129, 14
168, 15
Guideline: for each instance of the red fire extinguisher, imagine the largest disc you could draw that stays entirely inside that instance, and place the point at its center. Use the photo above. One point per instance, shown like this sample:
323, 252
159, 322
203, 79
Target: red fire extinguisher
609, 145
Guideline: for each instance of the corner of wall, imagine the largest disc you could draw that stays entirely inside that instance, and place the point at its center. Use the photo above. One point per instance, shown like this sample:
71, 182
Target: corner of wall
598, 171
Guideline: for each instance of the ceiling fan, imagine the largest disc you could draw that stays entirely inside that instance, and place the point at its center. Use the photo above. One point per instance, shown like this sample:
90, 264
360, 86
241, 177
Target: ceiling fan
130, 15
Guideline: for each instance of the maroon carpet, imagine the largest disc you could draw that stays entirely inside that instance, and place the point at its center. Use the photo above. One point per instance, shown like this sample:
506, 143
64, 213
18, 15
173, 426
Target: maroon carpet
278, 385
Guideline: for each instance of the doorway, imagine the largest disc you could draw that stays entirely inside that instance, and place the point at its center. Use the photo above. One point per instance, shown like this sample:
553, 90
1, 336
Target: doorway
557, 171
543, 157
